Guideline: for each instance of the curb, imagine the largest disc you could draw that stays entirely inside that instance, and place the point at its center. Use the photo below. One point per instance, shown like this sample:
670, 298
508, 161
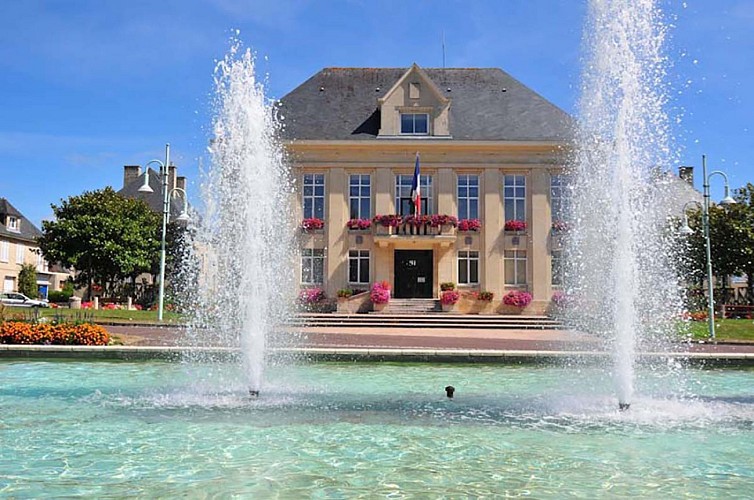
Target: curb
138, 353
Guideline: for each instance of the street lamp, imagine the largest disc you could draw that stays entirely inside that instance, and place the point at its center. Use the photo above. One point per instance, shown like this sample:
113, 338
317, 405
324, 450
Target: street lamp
183, 217
686, 230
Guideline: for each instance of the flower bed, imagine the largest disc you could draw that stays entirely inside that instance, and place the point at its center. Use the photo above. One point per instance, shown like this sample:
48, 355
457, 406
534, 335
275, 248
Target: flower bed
449, 297
380, 293
19, 332
517, 298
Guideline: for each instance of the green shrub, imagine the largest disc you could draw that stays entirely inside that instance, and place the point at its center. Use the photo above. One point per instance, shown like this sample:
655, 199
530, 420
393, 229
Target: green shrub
59, 296
448, 285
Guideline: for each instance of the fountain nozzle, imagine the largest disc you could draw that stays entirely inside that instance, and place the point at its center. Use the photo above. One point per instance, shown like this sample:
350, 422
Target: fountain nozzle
449, 390
253, 393
624, 406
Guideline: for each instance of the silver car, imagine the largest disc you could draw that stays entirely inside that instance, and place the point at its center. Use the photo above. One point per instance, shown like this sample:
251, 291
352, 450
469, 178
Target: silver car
20, 300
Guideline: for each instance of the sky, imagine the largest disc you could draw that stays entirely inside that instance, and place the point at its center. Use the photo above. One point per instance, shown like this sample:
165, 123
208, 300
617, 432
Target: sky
87, 86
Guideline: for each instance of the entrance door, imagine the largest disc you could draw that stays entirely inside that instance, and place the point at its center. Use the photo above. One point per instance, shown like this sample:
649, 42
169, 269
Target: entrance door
413, 274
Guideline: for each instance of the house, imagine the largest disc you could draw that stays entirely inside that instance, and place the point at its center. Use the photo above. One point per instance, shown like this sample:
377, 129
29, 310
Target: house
133, 180
489, 148
18, 245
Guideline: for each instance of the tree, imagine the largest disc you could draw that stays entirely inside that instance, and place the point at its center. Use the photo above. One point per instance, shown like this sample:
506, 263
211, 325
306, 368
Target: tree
27, 281
102, 235
743, 214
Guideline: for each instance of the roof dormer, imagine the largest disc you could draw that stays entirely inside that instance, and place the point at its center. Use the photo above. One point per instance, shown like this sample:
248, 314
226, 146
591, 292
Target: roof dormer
413, 107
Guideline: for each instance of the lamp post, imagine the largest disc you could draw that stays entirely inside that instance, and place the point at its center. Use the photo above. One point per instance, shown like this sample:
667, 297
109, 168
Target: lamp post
686, 230
183, 217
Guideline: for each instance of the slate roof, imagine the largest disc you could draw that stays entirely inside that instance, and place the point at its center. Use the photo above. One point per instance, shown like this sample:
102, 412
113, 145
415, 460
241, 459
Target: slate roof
153, 199
487, 104
28, 231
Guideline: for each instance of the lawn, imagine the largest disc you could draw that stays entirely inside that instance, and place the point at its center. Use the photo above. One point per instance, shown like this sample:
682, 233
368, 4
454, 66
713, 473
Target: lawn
725, 329
91, 315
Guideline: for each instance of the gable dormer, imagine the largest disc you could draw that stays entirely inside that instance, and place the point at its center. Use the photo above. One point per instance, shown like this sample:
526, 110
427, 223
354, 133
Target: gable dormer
414, 107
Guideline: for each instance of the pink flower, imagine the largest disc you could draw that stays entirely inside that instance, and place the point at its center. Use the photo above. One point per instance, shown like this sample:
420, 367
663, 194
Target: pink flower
517, 298
515, 225
380, 293
469, 225
312, 223
449, 297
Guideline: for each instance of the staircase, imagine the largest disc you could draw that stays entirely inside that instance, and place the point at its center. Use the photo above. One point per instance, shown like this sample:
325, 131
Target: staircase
425, 320
410, 306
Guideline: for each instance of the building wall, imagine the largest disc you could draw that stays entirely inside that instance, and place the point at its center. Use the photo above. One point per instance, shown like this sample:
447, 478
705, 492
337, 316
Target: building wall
10, 265
443, 160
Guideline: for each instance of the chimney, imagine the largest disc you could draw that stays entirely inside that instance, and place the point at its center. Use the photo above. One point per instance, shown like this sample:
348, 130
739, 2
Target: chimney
687, 174
171, 176
130, 174
180, 182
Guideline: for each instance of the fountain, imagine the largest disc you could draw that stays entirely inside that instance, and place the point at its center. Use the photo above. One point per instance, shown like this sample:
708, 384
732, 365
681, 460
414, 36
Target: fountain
359, 430
622, 275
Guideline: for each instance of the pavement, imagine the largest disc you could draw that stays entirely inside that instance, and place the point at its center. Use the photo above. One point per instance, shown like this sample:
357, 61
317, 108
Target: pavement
468, 339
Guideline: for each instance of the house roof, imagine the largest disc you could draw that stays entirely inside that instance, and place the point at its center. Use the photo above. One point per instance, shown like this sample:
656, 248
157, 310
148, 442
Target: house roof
153, 199
487, 104
28, 231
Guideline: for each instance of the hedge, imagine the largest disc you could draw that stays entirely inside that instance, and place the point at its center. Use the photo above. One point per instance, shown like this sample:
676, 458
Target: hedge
19, 332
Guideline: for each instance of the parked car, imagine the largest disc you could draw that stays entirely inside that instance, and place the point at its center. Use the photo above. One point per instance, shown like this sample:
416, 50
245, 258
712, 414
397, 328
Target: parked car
20, 300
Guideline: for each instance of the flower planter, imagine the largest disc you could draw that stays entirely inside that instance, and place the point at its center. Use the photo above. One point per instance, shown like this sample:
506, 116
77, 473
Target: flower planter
379, 307
510, 310
448, 307
344, 305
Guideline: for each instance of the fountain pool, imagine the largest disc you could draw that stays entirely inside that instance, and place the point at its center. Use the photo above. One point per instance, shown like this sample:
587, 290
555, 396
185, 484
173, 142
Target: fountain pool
345, 430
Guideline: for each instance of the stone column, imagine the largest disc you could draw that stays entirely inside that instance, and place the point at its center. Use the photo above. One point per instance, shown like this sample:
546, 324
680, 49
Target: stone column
491, 255
538, 257
336, 251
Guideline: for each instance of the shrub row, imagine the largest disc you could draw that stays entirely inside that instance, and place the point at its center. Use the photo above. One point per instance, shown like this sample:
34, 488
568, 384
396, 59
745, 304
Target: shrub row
18, 332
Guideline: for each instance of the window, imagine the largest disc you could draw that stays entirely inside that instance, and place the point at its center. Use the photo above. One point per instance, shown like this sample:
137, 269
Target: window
468, 196
514, 193
14, 224
468, 268
358, 266
515, 267
20, 250
556, 267
314, 196
4, 251
403, 200
557, 187
312, 266
42, 265
415, 123
360, 196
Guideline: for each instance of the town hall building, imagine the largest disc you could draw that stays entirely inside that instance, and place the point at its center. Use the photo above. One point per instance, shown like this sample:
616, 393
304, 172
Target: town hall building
491, 154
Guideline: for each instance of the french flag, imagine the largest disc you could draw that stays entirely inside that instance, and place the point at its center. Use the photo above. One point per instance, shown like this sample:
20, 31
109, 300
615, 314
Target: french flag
416, 188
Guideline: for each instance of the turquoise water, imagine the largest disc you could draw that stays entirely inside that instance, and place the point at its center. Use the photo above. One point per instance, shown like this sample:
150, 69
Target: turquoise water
346, 430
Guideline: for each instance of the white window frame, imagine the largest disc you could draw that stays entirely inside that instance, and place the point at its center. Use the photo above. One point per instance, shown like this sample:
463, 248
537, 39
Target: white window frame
20, 253
556, 260
311, 258
359, 198
515, 193
42, 265
514, 258
313, 196
557, 185
404, 181
359, 256
14, 224
465, 258
4, 251
463, 182
413, 122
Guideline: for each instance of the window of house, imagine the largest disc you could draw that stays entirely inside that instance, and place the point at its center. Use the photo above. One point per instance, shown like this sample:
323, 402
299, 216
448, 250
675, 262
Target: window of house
557, 187
403, 200
468, 267
20, 250
314, 196
312, 266
415, 123
468, 196
515, 267
358, 266
514, 194
4, 251
14, 224
556, 267
42, 265
360, 196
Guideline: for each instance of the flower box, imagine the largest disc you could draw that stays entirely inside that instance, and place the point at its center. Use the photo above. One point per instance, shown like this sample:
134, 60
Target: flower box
469, 225
312, 224
359, 224
516, 226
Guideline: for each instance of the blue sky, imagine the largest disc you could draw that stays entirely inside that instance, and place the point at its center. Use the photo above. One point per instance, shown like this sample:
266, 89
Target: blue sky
90, 85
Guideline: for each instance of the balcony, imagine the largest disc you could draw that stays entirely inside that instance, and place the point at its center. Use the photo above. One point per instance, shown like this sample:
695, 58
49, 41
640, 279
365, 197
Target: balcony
415, 233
